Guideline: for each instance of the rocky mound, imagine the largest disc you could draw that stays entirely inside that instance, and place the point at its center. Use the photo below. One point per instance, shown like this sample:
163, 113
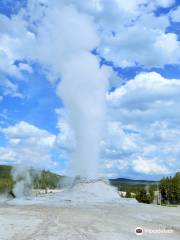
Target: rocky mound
87, 191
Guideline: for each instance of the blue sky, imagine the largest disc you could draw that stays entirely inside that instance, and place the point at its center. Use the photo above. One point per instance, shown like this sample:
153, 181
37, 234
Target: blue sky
141, 139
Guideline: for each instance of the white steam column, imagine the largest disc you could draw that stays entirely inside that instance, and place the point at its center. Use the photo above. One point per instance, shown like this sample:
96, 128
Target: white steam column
83, 90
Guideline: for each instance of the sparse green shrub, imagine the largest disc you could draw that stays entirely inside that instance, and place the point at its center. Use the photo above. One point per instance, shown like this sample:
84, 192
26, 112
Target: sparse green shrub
145, 196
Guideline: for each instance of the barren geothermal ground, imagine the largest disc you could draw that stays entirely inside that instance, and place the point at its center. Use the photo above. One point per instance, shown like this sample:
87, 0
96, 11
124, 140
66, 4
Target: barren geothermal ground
32, 220
88, 209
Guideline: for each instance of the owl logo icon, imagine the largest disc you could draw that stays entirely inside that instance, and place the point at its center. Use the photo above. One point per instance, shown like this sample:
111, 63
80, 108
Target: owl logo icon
139, 231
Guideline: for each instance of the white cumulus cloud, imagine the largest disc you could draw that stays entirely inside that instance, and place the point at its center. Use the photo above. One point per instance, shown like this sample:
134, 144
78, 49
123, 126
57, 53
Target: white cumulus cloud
145, 111
27, 145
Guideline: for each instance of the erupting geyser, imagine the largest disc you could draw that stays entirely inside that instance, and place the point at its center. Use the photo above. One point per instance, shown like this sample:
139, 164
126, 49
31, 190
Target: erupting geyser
85, 101
83, 90
81, 83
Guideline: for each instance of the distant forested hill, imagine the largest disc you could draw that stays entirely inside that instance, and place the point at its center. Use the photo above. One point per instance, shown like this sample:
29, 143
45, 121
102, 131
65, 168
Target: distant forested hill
124, 184
131, 181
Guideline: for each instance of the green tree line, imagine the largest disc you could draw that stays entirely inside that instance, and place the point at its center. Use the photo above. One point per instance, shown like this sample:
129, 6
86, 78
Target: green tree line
6, 182
40, 179
170, 189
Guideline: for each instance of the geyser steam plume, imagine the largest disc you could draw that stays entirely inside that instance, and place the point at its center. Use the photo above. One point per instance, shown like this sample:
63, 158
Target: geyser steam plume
63, 41
83, 90
71, 36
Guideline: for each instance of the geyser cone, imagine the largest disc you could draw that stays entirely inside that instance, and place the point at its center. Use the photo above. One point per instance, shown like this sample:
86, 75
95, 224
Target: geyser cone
91, 191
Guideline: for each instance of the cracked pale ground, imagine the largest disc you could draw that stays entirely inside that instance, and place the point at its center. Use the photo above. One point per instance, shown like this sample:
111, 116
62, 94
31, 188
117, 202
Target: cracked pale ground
100, 222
